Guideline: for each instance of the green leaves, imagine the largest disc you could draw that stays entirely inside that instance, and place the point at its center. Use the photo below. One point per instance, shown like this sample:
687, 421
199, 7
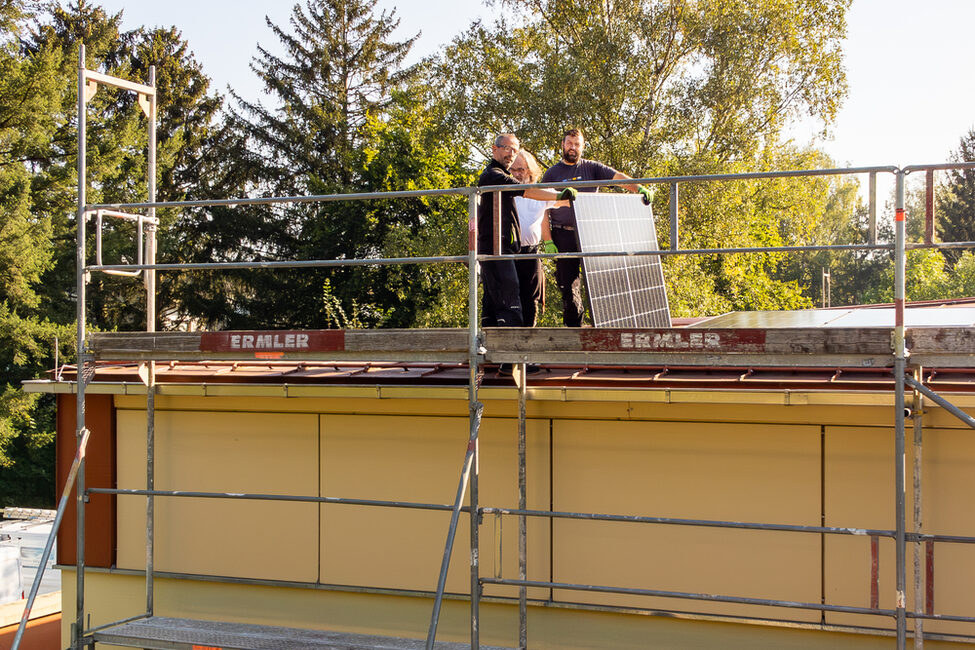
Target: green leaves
648, 79
344, 116
38, 190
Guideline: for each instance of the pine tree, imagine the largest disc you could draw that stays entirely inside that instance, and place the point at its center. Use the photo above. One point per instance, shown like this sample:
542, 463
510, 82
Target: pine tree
30, 90
956, 204
340, 67
334, 84
38, 193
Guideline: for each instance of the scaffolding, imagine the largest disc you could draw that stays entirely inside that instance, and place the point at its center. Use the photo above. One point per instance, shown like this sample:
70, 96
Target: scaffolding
907, 351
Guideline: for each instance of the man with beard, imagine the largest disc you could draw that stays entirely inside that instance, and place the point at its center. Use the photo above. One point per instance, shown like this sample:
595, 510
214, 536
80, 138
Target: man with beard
573, 167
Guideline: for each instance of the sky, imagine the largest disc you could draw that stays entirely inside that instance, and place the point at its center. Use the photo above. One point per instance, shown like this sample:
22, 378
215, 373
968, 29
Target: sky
909, 64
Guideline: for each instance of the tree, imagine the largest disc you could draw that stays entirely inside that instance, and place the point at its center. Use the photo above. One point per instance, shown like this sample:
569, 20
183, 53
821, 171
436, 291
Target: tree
341, 66
29, 91
38, 190
647, 80
672, 88
337, 123
956, 201
963, 275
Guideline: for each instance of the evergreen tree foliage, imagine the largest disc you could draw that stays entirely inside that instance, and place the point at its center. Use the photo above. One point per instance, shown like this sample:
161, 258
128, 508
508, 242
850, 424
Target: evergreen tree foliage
38, 194
335, 122
956, 202
340, 66
29, 94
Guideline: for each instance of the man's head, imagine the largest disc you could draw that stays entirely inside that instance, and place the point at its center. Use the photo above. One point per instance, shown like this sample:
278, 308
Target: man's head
573, 145
506, 147
525, 168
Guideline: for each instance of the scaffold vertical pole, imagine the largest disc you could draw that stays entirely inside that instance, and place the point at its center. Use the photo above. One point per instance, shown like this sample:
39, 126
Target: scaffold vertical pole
476, 409
522, 505
150, 277
150, 284
475, 412
900, 363
79, 625
918, 417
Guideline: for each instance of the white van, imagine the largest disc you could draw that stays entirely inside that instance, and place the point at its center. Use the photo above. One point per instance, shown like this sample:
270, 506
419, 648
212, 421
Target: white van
11, 575
23, 534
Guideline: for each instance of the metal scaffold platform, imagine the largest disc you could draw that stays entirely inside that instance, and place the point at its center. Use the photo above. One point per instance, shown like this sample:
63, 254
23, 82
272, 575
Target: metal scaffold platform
163, 633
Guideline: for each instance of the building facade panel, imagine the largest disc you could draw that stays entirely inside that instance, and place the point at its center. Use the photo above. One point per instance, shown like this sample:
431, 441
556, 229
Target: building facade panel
701, 470
238, 452
419, 459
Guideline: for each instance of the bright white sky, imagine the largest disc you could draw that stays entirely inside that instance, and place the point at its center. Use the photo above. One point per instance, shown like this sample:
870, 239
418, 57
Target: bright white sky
910, 64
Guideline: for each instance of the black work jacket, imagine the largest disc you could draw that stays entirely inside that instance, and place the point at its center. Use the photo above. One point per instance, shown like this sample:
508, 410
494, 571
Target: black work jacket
496, 174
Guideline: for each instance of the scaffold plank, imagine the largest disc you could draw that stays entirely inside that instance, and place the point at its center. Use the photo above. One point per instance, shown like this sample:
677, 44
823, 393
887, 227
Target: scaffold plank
943, 347
794, 346
371, 345
163, 633
925, 340
856, 347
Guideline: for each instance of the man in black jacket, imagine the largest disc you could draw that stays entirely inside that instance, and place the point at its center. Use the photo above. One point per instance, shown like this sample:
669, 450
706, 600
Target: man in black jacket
501, 306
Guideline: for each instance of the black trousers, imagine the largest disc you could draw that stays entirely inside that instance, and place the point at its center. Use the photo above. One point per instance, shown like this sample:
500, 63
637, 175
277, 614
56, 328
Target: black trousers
568, 275
531, 285
501, 304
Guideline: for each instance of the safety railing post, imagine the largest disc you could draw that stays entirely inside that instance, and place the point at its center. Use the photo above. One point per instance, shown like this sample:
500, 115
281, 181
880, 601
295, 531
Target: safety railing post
900, 362
872, 211
929, 206
674, 222
80, 395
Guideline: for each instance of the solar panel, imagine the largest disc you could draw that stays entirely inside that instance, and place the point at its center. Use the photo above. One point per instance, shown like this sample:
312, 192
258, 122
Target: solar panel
852, 317
623, 291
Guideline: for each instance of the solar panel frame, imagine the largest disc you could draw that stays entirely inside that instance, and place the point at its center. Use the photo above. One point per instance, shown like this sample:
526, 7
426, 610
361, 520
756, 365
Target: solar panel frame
625, 291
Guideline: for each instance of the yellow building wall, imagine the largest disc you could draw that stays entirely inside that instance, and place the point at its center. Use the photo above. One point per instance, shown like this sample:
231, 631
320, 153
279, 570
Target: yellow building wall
859, 470
419, 460
794, 464
261, 453
702, 470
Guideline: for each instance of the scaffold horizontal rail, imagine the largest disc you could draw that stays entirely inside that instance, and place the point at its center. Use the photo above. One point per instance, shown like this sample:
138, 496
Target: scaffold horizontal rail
163, 633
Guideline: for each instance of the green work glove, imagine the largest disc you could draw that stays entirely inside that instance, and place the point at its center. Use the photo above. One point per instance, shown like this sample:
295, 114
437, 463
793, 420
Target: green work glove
549, 246
646, 193
568, 194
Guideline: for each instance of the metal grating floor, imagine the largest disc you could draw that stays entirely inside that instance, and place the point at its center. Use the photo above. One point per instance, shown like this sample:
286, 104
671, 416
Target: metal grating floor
161, 633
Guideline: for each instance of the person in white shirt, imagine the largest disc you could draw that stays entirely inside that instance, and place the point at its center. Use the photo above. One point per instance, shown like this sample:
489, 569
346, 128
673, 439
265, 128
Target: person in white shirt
533, 218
